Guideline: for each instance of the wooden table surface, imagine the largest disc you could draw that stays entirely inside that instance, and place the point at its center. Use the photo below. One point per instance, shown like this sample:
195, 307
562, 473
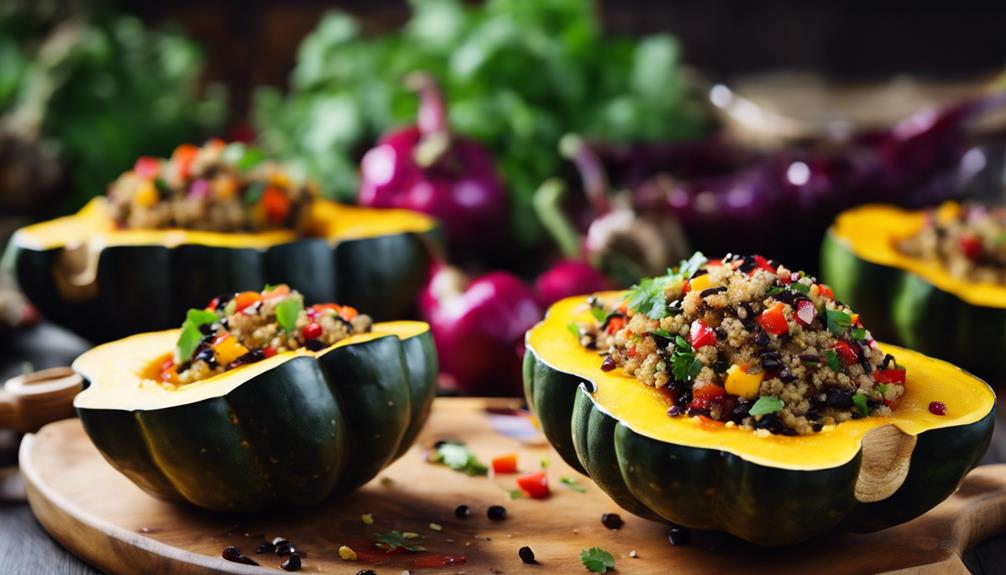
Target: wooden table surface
26, 549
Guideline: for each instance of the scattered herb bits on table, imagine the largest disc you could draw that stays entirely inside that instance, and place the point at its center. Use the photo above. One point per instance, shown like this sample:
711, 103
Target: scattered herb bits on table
735, 376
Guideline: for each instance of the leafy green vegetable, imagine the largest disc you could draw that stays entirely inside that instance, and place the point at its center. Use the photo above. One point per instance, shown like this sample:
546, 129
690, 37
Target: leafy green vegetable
573, 329
457, 457
598, 313
597, 560
572, 484
515, 493
347, 89
882, 388
647, 297
837, 321
766, 404
684, 365
397, 540
833, 360
253, 193
797, 286
859, 400
662, 333
243, 157
190, 336
287, 312
859, 333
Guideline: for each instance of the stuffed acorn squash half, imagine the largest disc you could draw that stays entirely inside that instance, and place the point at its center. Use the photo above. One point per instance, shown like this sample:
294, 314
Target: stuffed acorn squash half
173, 233
931, 280
259, 401
736, 395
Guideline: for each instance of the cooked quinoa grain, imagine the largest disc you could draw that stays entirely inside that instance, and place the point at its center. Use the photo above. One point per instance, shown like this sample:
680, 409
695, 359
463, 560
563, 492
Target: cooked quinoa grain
246, 327
969, 241
216, 187
746, 342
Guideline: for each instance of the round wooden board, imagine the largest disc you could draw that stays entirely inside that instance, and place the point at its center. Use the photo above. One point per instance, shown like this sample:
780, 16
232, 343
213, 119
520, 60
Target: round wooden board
99, 515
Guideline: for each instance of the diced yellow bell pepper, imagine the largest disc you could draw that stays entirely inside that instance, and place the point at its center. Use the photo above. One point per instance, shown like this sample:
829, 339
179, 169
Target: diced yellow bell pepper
948, 212
228, 349
146, 194
700, 283
743, 383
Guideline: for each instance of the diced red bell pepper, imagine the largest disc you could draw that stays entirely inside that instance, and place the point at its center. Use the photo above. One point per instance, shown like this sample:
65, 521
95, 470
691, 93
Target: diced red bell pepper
762, 264
847, 351
245, 299
631, 352
971, 246
773, 320
534, 484
505, 463
311, 331
825, 291
214, 304
889, 376
714, 263
276, 205
615, 324
702, 397
147, 167
268, 352
701, 334
806, 311
183, 157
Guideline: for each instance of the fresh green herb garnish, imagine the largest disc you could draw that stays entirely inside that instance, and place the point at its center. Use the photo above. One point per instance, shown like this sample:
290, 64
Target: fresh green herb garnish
833, 361
253, 193
597, 560
859, 400
837, 321
243, 157
573, 329
774, 290
189, 339
859, 333
882, 388
396, 540
661, 333
457, 457
515, 493
572, 484
599, 314
647, 297
684, 365
287, 312
543, 463
766, 404
799, 287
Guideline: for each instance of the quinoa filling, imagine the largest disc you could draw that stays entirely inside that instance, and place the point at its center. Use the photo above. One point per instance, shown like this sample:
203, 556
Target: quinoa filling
217, 187
745, 342
968, 240
246, 327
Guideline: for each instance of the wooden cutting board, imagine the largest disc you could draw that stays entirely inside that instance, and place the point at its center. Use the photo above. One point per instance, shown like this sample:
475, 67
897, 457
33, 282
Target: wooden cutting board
99, 515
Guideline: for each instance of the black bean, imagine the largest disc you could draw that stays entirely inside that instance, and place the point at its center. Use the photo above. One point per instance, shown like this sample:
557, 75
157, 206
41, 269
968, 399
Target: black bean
839, 398
233, 554
674, 411
721, 366
206, 329
292, 563
786, 375
208, 356
693, 411
812, 414
699, 272
314, 344
679, 536
762, 339
608, 364
721, 333
462, 512
810, 358
496, 513
685, 398
740, 411
612, 521
526, 555
770, 363
285, 548
887, 361
266, 547
366, 572
711, 291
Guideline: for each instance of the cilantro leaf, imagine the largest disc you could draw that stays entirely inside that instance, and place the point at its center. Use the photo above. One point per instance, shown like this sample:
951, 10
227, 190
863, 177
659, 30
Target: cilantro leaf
833, 362
882, 388
396, 540
572, 484
598, 313
515, 493
837, 321
687, 268
661, 333
766, 404
457, 457
799, 287
287, 312
243, 157
253, 193
684, 365
191, 335
859, 400
573, 329
597, 560
647, 297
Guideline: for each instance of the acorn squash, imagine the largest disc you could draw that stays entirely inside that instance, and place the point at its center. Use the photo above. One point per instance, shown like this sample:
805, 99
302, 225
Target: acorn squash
286, 431
863, 474
104, 283
912, 302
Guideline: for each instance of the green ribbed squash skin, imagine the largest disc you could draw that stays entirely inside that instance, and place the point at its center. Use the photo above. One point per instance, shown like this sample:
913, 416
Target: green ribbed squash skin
709, 489
905, 309
148, 287
291, 436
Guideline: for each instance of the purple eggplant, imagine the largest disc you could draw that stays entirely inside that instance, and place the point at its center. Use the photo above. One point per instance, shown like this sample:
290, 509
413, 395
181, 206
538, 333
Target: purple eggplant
478, 327
428, 169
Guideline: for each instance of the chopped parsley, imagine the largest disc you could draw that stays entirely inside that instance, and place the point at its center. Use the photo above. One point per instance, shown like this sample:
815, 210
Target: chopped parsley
191, 335
573, 329
597, 560
457, 457
572, 484
882, 388
662, 333
859, 400
837, 321
766, 404
860, 334
599, 314
647, 297
684, 365
833, 361
287, 312
799, 287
